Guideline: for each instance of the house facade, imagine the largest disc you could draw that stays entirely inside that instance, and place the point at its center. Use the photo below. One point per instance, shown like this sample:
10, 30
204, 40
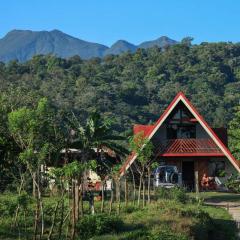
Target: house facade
181, 137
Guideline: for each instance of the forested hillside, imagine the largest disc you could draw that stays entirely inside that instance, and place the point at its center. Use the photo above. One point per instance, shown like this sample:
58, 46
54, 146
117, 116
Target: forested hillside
132, 88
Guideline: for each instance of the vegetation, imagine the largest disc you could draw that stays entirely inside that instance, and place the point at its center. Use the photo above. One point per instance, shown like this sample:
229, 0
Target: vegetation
132, 88
162, 219
234, 133
49, 105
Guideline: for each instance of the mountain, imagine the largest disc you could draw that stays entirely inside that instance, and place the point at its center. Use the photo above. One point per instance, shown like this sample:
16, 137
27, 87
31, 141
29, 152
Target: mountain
160, 42
119, 47
24, 44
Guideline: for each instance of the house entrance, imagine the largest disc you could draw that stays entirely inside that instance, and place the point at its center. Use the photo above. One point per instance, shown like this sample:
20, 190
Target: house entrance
188, 174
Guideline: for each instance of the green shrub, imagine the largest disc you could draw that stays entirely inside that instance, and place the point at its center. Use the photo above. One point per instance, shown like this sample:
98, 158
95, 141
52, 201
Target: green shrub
167, 234
94, 225
130, 209
8, 207
233, 183
139, 235
175, 193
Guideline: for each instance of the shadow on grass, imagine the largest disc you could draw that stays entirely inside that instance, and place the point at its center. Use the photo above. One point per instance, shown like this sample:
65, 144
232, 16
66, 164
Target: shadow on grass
217, 229
7, 233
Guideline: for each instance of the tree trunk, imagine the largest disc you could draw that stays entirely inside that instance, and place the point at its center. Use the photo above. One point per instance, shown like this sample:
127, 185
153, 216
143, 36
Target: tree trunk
111, 199
143, 182
76, 194
53, 221
196, 179
33, 183
61, 220
149, 185
18, 207
102, 202
91, 203
118, 195
134, 185
73, 224
126, 190
81, 196
139, 190
36, 219
39, 207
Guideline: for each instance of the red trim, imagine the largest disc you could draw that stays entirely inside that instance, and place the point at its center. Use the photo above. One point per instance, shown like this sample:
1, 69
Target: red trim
192, 155
208, 127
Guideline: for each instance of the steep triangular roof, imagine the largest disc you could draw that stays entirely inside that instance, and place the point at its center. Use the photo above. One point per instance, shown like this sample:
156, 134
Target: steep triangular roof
181, 97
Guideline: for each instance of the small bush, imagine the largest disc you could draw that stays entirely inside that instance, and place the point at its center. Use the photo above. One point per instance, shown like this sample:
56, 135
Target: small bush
8, 207
233, 183
139, 234
175, 193
94, 225
165, 234
130, 209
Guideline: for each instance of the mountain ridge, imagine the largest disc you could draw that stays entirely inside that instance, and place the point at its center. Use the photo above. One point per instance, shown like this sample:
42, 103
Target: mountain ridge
22, 45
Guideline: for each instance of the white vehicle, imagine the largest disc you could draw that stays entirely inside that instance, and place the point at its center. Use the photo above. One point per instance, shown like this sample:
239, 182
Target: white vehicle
167, 176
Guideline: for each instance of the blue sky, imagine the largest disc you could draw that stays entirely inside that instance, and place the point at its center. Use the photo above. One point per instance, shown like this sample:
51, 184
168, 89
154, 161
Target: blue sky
105, 21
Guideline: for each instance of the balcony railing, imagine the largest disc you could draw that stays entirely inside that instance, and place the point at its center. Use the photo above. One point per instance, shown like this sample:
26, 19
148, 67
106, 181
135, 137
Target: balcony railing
199, 147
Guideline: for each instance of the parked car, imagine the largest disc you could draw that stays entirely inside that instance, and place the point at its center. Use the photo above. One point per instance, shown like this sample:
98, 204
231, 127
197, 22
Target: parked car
167, 176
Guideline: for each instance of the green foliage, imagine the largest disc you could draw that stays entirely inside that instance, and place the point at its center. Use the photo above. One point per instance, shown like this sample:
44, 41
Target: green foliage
142, 146
8, 207
24, 200
167, 234
164, 219
94, 225
234, 133
95, 135
233, 183
76, 169
34, 131
175, 193
132, 88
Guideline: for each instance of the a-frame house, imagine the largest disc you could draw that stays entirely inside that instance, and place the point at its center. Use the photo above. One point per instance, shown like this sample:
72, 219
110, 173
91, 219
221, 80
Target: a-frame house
181, 137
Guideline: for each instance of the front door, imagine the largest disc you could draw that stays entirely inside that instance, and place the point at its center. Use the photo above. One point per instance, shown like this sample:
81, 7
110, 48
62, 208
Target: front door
188, 174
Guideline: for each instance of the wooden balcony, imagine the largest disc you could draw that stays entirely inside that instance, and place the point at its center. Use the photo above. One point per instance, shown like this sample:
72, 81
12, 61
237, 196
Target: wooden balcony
189, 147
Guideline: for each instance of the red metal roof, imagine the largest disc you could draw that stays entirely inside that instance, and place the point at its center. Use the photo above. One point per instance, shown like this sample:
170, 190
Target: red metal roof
189, 147
146, 129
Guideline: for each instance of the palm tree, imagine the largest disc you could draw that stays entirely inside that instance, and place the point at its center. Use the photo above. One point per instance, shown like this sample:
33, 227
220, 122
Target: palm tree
93, 138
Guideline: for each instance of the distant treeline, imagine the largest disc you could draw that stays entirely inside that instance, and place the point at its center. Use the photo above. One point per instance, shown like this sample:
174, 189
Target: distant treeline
131, 88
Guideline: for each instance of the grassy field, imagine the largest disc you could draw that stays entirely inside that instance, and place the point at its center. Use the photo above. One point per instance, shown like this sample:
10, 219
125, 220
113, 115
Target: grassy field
163, 219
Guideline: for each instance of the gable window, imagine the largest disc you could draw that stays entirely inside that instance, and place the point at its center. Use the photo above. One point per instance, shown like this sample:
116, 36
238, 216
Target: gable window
179, 125
175, 131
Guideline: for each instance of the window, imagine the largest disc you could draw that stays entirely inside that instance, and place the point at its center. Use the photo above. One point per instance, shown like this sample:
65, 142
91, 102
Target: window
179, 125
175, 131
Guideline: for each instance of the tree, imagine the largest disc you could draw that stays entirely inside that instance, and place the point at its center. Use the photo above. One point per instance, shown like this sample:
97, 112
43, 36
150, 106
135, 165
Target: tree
234, 134
74, 172
96, 134
34, 131
143, 148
